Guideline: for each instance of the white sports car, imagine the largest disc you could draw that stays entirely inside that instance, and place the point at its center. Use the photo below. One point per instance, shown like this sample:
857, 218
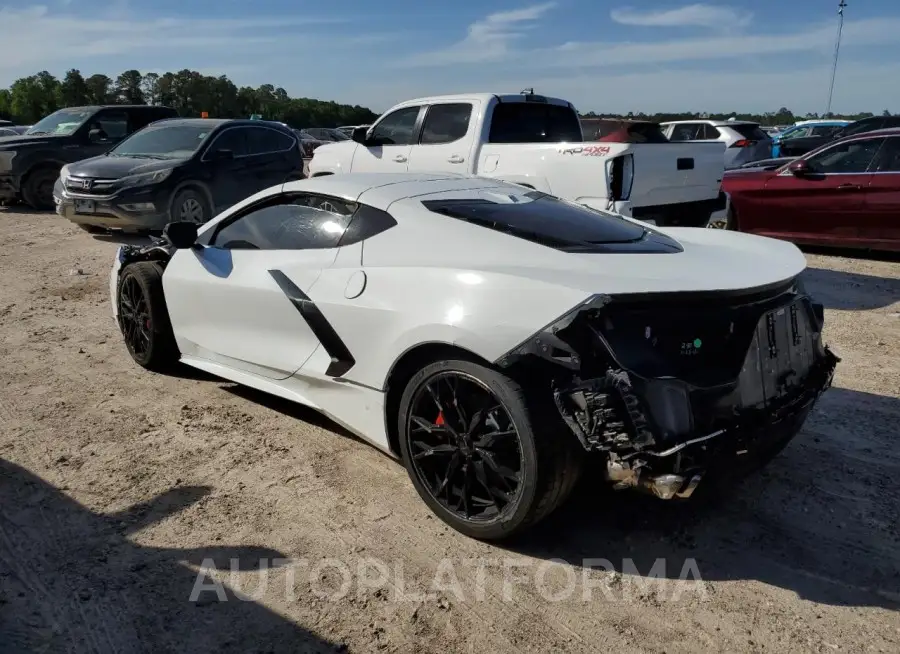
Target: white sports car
490, 335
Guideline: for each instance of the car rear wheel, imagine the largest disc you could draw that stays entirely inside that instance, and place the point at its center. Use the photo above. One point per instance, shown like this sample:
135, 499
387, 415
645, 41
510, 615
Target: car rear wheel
190, 205
37, 190
479, 457
143, 318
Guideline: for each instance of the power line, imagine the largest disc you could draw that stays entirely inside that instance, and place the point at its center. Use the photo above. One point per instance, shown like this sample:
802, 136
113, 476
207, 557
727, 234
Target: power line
837, 50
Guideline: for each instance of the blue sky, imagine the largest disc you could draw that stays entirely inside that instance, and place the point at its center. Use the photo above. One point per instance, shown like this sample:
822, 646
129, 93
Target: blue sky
603, 55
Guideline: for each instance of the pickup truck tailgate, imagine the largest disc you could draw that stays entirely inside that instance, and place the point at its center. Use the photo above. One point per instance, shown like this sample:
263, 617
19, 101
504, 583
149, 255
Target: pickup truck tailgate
665, 173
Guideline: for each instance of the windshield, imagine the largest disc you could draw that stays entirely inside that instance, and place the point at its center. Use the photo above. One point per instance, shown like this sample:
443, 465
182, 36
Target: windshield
163, 142
64, 121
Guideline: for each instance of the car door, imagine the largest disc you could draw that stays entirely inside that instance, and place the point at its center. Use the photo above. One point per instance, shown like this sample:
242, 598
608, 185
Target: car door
445, 140
880, 226
239, 299
228, 168
389, 143
113, 126
272, 156
824, 205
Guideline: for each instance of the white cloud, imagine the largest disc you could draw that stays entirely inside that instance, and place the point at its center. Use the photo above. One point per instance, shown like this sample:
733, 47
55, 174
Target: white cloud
58, 39
814, 39
488, 39
696, 15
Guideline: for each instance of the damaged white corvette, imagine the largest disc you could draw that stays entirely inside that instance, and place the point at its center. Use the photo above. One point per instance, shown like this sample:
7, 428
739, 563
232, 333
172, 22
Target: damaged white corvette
490, 335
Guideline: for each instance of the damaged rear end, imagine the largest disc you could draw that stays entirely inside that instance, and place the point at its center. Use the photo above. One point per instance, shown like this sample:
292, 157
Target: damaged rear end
675, 388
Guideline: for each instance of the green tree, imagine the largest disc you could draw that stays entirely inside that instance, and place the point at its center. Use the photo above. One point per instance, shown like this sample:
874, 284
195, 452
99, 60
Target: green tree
128, 87
99, 89
74, 90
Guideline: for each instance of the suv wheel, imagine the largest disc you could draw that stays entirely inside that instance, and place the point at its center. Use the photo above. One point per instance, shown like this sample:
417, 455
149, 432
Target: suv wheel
190, 205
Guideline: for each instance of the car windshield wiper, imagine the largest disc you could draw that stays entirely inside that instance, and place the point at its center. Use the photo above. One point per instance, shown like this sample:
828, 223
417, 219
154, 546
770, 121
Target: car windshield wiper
35, 133
139, 155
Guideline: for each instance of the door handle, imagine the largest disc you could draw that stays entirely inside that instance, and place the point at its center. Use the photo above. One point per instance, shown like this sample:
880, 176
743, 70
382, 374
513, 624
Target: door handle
400, 158
455, 159
849, 187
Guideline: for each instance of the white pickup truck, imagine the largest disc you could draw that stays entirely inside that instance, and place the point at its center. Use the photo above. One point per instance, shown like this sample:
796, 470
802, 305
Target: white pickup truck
536, 141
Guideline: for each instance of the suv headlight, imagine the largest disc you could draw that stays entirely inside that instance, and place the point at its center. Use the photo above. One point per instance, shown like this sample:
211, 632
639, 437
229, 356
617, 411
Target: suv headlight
63, 173
144, 179
6, 158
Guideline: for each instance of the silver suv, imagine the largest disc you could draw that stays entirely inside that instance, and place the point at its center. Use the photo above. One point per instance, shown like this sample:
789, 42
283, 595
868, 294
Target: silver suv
744, 141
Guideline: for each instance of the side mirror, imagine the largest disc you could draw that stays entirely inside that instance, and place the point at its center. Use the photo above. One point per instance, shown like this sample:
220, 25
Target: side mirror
182, 234
96, 136
800, 167
222, 155
359, 134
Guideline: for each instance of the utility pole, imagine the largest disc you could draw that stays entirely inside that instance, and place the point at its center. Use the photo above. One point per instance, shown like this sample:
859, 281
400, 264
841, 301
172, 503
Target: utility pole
837, 50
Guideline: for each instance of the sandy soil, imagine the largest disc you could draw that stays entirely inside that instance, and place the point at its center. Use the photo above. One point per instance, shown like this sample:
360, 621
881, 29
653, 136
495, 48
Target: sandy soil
116, 484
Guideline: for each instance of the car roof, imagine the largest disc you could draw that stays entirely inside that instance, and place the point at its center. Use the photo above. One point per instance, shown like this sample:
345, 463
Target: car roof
216, 122
481, 97
708, 121
887, 131
383, 189
96, 107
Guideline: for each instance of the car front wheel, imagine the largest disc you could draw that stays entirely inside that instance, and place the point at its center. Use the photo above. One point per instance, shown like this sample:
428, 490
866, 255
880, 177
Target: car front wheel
143, 318
479, 456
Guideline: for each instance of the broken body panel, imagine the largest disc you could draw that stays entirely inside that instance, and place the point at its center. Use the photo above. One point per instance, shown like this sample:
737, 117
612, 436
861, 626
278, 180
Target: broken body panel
678, 386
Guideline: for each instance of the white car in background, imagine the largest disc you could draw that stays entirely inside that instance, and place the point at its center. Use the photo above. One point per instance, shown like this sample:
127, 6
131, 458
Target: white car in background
744, 141
489, 335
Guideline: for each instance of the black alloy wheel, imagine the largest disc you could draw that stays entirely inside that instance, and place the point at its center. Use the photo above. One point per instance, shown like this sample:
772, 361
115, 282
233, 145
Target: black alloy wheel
134, 318
143, 317
487, 458
465, 448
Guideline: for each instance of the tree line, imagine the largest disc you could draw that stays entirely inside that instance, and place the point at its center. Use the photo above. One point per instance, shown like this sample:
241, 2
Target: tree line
190, 93
783, 116
29, 99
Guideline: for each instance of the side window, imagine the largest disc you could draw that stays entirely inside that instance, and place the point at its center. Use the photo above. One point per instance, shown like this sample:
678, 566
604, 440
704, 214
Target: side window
397, 127
685, 132
300, 222
822, 130
445, 123
845, 158
114, 124
709, 133
888, 159
234, 139
262, 140
366, 223
798, 133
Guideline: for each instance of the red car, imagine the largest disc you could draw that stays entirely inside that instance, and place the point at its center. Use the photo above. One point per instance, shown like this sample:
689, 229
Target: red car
845, 194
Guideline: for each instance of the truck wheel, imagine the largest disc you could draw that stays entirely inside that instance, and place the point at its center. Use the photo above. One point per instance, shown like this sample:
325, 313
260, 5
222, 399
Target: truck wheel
37, 191
480, 457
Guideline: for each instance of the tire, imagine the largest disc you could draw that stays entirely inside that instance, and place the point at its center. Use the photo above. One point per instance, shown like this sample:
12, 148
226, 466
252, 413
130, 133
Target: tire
154, 348
37, 191
191, 205
726, 224
550, 463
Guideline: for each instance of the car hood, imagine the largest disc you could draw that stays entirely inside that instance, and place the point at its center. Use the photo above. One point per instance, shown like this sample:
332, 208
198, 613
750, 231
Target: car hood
25, 140
109, 167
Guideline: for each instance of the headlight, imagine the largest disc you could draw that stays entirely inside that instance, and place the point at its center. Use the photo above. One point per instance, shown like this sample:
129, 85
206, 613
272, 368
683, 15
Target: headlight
145, 178
6, 158
63, 173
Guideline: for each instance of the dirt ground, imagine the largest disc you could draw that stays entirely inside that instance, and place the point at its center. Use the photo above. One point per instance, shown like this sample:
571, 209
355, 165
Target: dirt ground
117, 485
